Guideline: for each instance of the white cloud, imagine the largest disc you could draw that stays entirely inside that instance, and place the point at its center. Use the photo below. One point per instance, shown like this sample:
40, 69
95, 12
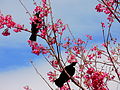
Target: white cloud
17, 79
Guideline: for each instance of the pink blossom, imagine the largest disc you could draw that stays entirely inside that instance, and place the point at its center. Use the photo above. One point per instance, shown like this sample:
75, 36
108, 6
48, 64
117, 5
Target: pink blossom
27, 88
1, 21
72, 58
66, 44
60, 21
104, 45
99, 8
111, 77
65, 87
52, 76
94, 48
37, 52
110, 18
38, 9
43, 33
104, 8
44, 1
34, 19
99, 52
90, 70
32, 43
58, 27
103, 24
1, 26
95, 79
2, 18
63, 27
45, 51
60, 33
8, 21
80, 41
77, 76
52, 41
76, 49
91, 56
54, 63
6, 32
89, 37
17, 30
37, 49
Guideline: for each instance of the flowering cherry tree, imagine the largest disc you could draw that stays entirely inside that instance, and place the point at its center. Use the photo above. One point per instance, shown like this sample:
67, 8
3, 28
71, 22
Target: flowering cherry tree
96, 65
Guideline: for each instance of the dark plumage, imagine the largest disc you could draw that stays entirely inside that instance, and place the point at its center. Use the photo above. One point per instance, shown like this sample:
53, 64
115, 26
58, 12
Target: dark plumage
63, 76
34, 28
34, 31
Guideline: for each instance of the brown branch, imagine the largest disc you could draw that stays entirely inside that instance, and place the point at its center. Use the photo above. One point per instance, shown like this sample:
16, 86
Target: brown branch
111, 11
113, 63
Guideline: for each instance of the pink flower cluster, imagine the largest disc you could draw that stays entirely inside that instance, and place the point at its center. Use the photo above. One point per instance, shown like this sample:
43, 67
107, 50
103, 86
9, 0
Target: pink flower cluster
18, 28
8, 23
72, 58
91, 56
37, 49
75, 45
66, 44
27, 88
95, 79
44, 9
54, 63
6, 32
78, 45
103, 24
89, 37
52, 76
58, 27
65, 87
44, 32
97, 53
80, 41
103, 8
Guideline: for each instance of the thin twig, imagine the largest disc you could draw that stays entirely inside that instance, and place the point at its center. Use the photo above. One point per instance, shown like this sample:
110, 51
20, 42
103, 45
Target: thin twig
70, 32
40, 74
25, 8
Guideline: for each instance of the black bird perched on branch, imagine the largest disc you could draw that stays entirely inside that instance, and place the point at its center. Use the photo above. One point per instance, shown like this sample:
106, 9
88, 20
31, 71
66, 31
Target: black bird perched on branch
34, 31
34, 28
63, 76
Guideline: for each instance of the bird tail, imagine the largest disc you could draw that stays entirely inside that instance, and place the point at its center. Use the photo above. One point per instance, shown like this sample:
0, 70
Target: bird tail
59, 83
33, 37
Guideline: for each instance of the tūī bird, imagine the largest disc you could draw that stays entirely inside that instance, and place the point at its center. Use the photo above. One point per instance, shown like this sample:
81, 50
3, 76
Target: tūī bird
34, 28
34, 31
63, 76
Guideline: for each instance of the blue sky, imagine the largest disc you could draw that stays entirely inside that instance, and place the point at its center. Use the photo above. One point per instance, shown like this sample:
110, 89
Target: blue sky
79, 14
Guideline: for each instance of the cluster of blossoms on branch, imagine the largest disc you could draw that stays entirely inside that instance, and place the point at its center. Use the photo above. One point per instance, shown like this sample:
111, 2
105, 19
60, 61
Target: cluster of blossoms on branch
27, 88
109, 7
95, 79
7, 23
45, 27
37, 48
